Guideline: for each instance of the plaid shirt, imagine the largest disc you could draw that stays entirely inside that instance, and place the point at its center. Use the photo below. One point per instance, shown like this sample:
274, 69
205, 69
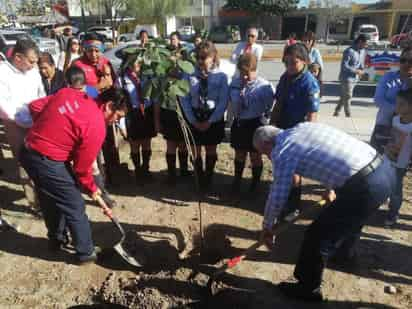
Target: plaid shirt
314, 151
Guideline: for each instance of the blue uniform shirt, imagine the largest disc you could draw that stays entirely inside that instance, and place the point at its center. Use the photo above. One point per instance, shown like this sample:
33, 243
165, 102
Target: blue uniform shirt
385, 96
217, 96
299, 96
255, 100
133, 91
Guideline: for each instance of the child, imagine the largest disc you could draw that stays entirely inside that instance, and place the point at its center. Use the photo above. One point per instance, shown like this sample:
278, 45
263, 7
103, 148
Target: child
252, 99
205, 107
314, 68
399, 150
139, 120
297, 100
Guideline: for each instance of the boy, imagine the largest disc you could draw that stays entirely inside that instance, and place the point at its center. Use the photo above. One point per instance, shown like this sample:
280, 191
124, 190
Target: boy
399, 150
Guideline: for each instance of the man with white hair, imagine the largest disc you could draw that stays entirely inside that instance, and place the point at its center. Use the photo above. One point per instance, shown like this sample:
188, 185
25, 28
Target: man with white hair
250, 46
361, 179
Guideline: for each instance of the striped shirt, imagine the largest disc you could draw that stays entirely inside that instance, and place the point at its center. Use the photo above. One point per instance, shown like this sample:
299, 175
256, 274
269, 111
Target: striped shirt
315, 151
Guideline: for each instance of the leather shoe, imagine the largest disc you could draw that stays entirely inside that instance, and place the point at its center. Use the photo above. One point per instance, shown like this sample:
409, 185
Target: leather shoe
91, 258
299, 291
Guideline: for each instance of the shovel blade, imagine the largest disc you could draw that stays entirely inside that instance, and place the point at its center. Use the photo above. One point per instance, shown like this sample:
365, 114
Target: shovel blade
126, 256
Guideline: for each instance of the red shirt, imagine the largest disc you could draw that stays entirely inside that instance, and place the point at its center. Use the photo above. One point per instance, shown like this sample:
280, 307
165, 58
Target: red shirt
68, 126
93, 72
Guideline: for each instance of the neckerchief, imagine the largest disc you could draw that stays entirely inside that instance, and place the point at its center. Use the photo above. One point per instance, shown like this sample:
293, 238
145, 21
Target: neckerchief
138, 84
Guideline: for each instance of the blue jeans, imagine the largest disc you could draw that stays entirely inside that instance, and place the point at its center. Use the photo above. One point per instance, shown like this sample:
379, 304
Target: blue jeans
60, 200
396, 196
340, 224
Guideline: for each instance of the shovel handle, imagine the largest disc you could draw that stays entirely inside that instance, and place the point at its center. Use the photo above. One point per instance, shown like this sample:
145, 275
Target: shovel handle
106, 210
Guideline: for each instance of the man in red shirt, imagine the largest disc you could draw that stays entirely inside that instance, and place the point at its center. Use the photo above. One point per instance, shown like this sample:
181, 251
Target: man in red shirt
68, 127
100, 75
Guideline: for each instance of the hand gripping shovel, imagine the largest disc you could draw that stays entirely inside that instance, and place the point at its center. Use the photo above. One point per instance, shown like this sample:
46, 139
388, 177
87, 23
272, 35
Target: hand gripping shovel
119, 246
237, 259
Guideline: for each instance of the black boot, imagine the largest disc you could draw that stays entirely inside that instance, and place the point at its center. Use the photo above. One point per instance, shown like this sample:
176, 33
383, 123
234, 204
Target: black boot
146, 155
171, 168
256, 174
137, 167
183, 163
239, 167
199, 170
210, 168
98, 179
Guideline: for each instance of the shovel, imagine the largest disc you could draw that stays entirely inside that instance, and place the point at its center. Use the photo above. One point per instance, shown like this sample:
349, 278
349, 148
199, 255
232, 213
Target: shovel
119, 246
237, 259
8, 226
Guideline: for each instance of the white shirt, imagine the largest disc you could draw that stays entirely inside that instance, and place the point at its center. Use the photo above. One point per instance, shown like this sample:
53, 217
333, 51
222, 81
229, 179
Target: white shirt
62, 59
17, 89
402, 136
257, 50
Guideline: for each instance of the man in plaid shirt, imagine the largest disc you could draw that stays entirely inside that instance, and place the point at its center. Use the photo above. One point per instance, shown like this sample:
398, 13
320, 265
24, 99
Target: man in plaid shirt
352, 168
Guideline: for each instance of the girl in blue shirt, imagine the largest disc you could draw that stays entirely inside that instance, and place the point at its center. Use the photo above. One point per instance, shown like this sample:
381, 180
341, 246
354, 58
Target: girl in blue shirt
205, 106
139, 120
252, 100
297, 100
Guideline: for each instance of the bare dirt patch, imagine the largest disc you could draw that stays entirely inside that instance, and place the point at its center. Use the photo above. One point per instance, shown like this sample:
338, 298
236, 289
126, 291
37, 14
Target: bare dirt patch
162, 223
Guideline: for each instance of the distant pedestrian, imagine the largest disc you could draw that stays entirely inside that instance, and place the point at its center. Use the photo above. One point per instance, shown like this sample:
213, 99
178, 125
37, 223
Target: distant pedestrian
351, 69
252, 100
309, 39
291, 39
385, 98
69, 55
250, 46
143, 37
63, 39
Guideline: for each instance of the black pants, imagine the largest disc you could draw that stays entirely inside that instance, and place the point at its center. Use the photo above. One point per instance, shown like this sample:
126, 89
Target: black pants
340, 224
60, 200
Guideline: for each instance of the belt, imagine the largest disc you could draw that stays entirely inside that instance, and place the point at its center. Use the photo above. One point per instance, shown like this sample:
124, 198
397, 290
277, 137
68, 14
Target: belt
32, 151
365, 171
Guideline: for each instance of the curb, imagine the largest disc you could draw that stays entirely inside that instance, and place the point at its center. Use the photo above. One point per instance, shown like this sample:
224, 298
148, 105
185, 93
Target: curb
276, 54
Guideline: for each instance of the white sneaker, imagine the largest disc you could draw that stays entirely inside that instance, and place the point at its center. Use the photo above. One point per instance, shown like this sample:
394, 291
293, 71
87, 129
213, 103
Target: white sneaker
292, 216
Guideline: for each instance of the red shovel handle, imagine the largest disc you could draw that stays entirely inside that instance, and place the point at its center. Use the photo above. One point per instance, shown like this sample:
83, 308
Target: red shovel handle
106, 210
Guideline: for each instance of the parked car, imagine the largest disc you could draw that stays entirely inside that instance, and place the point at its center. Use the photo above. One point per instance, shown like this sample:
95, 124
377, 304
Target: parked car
370, 31
399, 40
225, 34
131, 36
8, 39
187, 32
105, 31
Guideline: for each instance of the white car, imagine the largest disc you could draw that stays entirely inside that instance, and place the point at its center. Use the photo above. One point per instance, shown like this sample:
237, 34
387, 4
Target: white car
8, 39
370, 31
105, 31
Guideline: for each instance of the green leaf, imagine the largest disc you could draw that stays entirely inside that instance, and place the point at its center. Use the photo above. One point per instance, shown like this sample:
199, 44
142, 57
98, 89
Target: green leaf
183, 85
186, 66
147, 89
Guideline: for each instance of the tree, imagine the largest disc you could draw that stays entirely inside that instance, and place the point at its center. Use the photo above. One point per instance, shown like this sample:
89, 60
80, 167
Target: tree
156, 9
336, 13
265, 7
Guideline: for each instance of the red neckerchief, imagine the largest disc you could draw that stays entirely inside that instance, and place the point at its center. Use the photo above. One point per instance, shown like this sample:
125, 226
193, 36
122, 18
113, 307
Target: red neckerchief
248, 49
137, 83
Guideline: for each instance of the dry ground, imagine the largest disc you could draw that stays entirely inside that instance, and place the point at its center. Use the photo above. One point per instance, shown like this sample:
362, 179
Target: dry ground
166, 220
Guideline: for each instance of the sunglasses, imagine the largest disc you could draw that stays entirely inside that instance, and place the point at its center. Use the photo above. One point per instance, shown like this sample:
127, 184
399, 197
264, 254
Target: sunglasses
406, 60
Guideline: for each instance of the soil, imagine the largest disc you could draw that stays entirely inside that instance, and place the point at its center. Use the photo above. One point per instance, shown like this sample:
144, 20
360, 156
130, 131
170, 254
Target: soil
162, 225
